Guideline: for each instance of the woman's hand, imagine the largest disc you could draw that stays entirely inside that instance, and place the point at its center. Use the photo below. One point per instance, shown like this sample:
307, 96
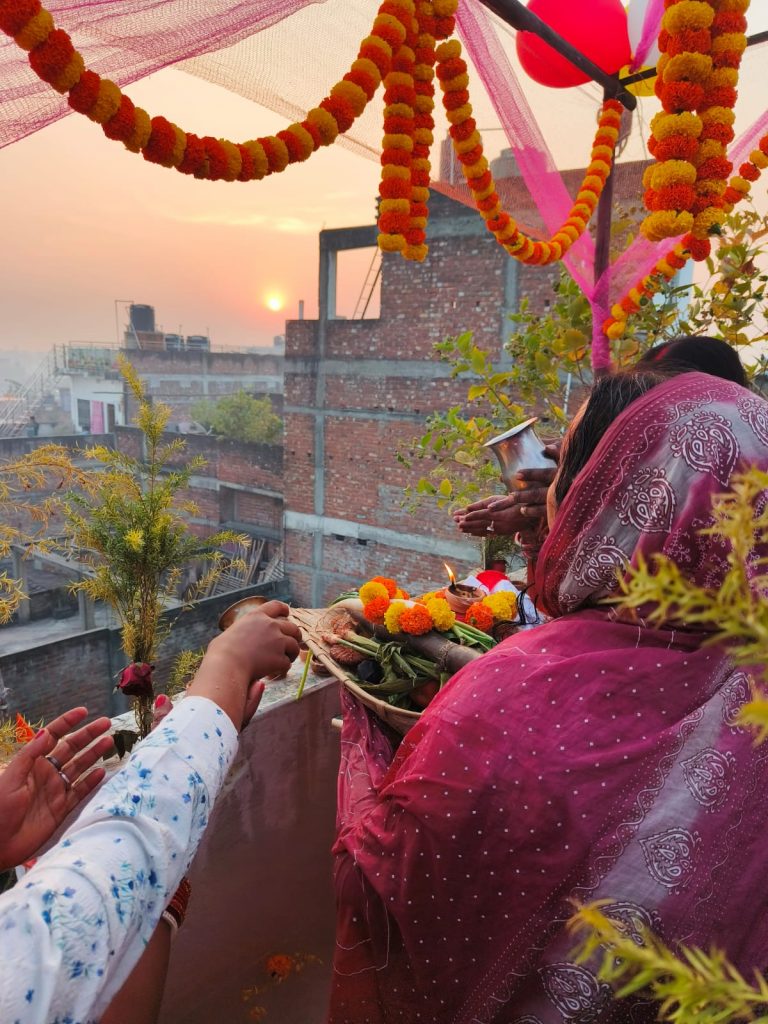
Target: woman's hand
522, 511
46, 780
261, 643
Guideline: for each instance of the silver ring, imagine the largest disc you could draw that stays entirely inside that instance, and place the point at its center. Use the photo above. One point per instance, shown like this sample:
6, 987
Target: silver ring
54, 761
489, 528
65, 780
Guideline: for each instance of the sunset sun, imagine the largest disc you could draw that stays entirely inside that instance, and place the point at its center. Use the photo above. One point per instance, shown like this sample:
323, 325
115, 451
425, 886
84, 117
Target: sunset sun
275, 302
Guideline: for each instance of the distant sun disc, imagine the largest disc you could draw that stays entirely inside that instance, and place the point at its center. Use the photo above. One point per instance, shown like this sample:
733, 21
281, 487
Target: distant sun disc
275, 303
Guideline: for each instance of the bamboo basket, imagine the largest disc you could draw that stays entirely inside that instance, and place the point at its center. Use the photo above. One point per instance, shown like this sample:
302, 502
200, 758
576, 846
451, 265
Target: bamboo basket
313, 622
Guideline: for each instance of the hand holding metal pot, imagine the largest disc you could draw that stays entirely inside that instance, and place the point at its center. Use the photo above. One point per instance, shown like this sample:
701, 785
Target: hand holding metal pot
523, 510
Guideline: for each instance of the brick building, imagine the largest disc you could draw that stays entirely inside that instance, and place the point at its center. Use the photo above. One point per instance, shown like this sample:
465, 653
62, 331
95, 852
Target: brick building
240, 487
355, 389
179, 379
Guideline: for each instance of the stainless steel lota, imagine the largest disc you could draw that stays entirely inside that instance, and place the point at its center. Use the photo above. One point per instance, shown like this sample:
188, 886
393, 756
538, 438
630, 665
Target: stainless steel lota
516, 449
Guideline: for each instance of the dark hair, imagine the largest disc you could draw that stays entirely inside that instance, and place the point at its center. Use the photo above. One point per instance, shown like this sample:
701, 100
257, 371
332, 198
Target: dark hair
609, 397
707, 355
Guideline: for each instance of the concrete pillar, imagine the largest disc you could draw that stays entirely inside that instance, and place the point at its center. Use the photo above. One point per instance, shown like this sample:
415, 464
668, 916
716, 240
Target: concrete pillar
87, 611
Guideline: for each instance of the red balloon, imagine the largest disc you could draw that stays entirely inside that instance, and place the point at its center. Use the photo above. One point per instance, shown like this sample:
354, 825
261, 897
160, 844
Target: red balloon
598, 28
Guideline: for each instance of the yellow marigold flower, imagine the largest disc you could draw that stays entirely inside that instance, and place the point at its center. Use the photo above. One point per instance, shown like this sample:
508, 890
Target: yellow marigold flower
371, 590
70, 75
418, 253
428, 596
740, 184
397, 141
689, 15
723, 76
704, 222
759, 159
732, 42
718, 115
392, 616
141, 131
666, 224
503, 605
709, 148
395, 206
387, 21
616, 330
691, 67
134, 539
449, 49
460, 114
664, 125
260, 162
673, 172
391, 243
441, 613
36, 30
107, 103
618, 313
477, 169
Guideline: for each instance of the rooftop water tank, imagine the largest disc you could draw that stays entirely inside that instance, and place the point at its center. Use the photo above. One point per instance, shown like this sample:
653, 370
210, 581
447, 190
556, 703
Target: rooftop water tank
142, 317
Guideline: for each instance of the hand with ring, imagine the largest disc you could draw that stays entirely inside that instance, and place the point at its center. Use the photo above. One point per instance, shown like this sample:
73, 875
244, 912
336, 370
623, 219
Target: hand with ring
522, 510
46, 780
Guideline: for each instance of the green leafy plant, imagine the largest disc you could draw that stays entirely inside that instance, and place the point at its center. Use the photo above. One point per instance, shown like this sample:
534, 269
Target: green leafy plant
129, 527
23, 520
693, 987
545, 363
239, 417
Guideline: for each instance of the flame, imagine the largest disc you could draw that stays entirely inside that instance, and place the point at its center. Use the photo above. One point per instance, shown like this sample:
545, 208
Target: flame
451, 574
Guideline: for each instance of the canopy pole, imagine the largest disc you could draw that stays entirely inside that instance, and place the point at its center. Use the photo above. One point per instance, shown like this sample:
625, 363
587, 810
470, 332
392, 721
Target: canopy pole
516, 14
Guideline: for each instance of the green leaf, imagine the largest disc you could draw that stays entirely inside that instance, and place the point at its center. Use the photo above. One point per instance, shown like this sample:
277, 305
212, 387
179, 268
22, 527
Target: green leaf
446, 487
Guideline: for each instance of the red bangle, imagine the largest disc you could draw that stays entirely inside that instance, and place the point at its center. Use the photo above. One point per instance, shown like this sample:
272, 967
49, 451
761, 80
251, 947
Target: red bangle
176, 910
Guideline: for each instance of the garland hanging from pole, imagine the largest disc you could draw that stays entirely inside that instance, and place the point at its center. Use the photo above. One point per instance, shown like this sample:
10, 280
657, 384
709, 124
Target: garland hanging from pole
400, 52
666, 268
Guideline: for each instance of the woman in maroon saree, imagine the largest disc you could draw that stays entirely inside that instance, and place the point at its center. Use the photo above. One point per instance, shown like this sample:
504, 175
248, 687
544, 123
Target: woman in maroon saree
589, 758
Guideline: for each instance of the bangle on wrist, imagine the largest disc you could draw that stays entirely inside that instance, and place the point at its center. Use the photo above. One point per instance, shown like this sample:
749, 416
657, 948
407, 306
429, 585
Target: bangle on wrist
176, 910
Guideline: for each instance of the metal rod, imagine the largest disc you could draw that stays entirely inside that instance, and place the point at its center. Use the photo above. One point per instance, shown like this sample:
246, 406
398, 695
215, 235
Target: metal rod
641, 76
514, 13
603, 229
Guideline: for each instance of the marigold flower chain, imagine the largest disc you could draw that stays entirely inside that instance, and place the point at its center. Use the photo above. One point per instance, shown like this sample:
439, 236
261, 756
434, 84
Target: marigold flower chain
666, 268
701, 44
452, 73
54, 59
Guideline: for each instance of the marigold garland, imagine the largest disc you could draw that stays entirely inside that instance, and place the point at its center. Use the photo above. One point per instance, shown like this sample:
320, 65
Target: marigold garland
701, 44
54, 59
401, 52
451, 71
666, 268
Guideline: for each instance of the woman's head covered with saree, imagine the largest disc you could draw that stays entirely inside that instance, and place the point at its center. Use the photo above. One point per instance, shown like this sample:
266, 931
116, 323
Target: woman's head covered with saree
590, 758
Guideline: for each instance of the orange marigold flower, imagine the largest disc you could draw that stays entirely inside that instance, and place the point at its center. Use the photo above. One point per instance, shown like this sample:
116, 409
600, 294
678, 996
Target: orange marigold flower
376, 609
387, 583
416, 620
480, 615
279, 966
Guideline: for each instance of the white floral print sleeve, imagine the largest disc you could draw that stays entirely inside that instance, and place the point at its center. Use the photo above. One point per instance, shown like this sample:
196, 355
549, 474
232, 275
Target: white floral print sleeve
73, 928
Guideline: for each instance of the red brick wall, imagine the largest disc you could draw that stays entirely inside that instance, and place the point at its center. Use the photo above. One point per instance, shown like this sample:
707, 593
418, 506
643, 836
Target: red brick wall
227, 488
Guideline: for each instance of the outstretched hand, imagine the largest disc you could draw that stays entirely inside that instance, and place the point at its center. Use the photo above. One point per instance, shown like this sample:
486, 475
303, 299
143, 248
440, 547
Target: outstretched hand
523, 510
36, 795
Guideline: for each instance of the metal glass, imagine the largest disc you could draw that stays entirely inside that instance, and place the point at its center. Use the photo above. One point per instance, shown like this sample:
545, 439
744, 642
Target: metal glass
516, 449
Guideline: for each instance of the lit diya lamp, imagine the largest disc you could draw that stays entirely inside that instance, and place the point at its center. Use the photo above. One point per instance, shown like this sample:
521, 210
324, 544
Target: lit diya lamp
460, 596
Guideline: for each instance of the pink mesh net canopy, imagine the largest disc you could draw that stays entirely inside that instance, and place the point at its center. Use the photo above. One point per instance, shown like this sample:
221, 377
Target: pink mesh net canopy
225, 42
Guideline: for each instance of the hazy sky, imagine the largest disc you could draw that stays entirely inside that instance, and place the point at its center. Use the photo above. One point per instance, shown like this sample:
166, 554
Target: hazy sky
84, 223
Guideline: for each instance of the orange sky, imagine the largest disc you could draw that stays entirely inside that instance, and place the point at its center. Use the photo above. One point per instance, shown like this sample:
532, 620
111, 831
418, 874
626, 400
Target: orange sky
85, 223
